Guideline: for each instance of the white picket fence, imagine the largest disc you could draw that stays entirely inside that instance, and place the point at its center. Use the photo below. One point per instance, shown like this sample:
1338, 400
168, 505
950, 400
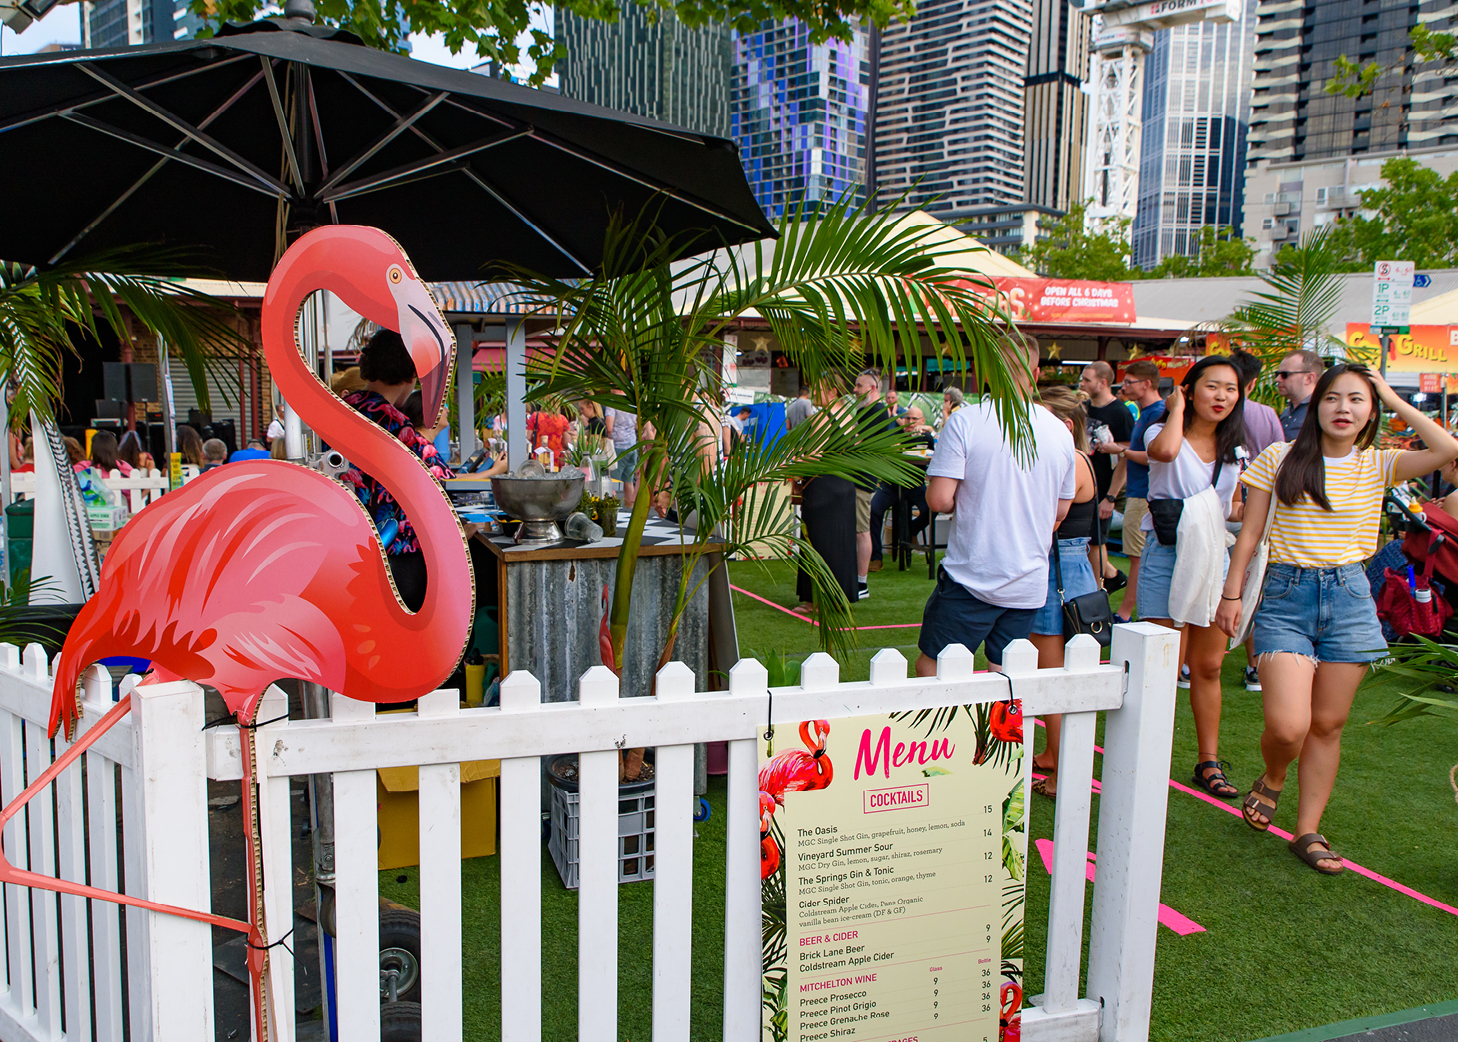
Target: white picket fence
140, 487
164, 758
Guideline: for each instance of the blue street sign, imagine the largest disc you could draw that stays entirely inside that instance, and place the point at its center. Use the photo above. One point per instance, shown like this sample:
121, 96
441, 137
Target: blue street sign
1421, 281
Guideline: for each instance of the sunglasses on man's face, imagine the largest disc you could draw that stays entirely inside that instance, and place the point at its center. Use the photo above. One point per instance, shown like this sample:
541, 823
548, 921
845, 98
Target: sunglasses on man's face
1285, 374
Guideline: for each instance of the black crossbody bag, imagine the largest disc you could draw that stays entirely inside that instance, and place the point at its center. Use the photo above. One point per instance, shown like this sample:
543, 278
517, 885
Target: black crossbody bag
1166, 512
1089, 613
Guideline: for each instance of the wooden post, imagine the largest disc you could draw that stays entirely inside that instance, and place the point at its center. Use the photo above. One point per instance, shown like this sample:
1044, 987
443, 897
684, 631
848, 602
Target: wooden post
1132, 811
173, 776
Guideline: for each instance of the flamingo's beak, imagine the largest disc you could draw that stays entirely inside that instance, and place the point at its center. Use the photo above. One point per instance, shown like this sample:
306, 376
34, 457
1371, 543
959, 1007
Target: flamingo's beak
429, 340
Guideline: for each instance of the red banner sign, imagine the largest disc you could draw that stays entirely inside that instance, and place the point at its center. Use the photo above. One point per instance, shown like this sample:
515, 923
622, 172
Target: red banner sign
1057, 301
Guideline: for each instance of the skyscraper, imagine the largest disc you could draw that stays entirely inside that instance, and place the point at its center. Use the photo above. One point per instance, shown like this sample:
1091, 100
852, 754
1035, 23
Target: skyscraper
950, 106
799, 114
1312, 154
1056, 106
661, 69
1292, 116
121, 23
1192, 152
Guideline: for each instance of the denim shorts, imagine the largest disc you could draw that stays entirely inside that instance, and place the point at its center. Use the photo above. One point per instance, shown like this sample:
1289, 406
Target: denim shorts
1078, 579
1156, 569
627, 466
1324, 614
954, 616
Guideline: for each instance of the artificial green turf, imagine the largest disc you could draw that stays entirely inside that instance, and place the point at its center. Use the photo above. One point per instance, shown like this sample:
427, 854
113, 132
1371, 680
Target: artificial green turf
1284, 948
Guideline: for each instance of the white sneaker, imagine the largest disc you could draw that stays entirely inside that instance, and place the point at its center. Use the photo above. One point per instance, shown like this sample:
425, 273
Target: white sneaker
863, 592
1252, 679
1184, 680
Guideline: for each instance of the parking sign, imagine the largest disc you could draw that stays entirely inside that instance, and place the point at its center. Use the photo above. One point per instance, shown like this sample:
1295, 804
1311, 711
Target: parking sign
1392, 294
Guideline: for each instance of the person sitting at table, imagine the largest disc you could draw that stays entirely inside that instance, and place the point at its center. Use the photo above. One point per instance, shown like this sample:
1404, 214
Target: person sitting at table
130, 449
215, 454
913, 422
103, 455
75, 454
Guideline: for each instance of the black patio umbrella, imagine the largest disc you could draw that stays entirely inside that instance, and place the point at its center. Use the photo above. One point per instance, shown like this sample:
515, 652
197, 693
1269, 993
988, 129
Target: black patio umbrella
227, 144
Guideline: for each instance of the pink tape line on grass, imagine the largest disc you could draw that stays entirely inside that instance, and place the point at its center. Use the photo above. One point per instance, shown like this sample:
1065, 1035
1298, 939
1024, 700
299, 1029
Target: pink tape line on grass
1180, 924
802, 618
1376, 877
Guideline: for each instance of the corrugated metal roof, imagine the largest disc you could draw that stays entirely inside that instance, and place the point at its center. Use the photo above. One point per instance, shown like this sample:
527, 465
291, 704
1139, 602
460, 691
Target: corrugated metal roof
487, 298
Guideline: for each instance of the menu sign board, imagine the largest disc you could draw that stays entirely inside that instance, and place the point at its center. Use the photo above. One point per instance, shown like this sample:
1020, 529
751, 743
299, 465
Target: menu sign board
892, 852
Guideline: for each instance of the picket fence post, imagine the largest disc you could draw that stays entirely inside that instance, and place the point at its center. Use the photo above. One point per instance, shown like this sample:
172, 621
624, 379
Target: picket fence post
173, 775
521, 875
356, 888
597, 874
743, 913
673, 870
1132, 814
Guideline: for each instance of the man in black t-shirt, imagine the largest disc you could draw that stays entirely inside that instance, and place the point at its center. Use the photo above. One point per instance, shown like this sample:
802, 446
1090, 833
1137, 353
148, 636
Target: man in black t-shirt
1110, 426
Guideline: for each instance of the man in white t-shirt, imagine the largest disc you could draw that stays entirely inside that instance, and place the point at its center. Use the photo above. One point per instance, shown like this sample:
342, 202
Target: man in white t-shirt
994, 577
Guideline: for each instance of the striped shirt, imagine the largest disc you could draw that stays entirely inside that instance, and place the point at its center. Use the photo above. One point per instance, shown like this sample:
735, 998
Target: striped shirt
1305, 535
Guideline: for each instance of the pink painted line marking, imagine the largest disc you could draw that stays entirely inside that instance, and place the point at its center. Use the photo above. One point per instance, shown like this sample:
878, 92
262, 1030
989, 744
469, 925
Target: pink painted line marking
813, 622
1361, 870
1180, 924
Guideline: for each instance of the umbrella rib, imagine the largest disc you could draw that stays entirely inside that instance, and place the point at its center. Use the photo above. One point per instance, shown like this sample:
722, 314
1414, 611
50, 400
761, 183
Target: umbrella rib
162, 150
107, 95
283, 123
353, 188
524, 219
224, 107
471, 173
180, 124
552, 141
400, 125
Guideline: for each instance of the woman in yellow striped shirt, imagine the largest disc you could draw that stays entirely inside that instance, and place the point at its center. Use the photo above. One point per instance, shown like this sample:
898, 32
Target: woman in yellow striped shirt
1316, 629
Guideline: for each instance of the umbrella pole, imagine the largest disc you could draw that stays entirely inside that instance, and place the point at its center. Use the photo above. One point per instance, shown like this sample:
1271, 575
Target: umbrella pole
465, 390
515, 372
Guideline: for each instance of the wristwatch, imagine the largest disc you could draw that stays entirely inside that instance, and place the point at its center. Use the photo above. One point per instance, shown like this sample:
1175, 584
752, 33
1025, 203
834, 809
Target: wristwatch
1111, 499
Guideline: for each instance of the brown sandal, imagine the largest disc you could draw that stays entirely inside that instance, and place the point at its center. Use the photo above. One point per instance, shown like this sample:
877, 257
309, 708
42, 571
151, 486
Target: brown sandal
1302, 847
1254, 804
1041, 787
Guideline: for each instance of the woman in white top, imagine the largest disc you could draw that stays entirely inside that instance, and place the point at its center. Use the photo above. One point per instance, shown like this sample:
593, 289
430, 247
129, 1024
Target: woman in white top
1316, 631
1195, 449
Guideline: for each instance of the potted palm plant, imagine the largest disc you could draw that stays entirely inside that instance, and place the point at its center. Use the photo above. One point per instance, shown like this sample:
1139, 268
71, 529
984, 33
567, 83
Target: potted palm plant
840, 285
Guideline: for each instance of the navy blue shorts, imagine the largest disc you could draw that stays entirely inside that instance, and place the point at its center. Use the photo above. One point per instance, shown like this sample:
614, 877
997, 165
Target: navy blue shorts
955, 616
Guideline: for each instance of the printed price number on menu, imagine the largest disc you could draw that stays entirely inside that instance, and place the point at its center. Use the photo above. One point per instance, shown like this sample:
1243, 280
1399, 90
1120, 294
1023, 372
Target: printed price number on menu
889, 846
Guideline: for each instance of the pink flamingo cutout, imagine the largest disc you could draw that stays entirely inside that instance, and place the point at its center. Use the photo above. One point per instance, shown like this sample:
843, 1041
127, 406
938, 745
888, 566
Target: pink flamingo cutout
265, 570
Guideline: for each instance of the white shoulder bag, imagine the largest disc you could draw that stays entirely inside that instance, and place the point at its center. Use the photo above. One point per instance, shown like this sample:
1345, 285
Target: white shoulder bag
1255, 577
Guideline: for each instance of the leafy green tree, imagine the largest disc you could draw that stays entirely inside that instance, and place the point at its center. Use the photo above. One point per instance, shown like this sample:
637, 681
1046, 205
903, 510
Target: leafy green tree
1220, 253
1415, 219
1078, 249
498, 28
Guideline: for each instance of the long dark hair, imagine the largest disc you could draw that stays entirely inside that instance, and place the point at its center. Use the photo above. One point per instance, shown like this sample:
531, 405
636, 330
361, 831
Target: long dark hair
1303, 471
103, 450
1229, 432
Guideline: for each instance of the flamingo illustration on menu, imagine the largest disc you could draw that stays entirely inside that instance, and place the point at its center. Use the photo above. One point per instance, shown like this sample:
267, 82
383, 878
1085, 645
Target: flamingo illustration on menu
795, 770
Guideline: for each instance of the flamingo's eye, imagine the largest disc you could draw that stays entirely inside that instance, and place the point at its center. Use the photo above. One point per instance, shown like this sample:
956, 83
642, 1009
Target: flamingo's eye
396, 274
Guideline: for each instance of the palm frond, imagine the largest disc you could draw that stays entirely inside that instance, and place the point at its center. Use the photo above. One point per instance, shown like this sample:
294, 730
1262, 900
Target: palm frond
40, 310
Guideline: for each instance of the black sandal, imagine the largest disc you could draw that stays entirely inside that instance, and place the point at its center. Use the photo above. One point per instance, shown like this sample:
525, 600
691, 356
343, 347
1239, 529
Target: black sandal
1262, 800
1215, 778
